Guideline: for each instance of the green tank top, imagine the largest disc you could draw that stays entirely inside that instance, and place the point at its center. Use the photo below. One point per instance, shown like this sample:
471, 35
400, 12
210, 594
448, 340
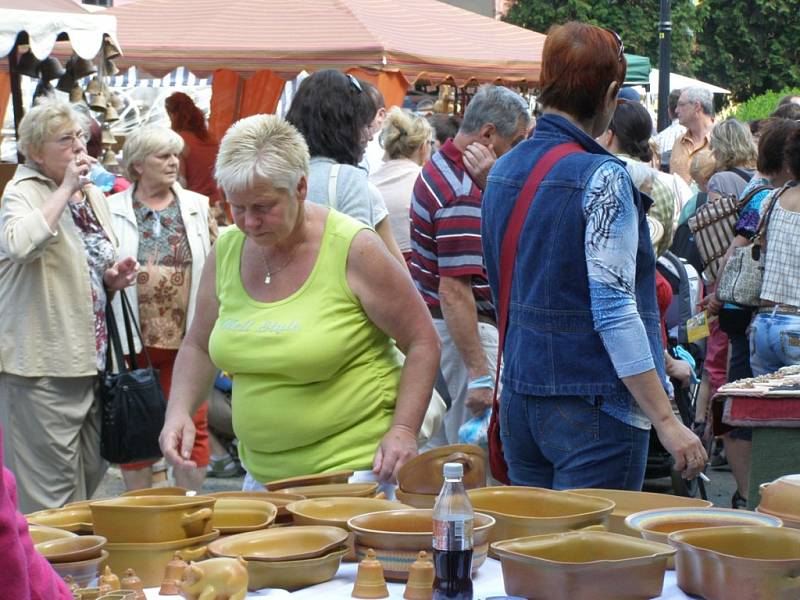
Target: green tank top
315, 381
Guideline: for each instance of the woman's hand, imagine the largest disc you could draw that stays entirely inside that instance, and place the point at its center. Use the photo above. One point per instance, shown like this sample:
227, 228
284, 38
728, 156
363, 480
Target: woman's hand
76, 173
677, 369
684, 446
122, 274
177, 439
397, 447
711, 303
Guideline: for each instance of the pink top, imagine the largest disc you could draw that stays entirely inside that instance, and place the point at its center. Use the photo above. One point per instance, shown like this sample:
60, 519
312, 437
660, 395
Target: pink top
25, 574
199, 165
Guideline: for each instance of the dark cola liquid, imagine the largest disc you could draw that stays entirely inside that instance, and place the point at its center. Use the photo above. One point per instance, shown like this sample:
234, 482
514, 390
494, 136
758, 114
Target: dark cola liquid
453, 574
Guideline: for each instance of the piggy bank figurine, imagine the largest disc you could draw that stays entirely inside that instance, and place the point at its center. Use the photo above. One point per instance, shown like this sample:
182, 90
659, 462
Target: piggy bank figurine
215, 579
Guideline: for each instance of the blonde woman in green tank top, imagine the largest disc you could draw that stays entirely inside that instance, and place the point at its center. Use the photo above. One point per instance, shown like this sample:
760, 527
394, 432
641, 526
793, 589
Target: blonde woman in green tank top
301, 304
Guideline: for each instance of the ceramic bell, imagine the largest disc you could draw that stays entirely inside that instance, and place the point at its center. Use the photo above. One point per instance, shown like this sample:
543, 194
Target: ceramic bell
50, 69
370, 582
109, 158
221, 578
420, 579
110, 49
107, 138
76, 94
110, 68
98, 102
28, 64
95, 86
173, 573
132, 582
109, 578
81, 67
111, 114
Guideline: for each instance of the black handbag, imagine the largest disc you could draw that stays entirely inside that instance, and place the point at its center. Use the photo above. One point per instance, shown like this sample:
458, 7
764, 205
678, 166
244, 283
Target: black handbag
133, 405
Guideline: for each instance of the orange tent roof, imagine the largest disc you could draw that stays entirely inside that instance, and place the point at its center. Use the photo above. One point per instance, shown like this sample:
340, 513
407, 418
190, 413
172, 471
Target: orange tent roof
423, 39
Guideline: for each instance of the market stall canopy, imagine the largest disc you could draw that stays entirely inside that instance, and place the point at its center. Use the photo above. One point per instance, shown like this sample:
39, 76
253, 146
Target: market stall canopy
422, 39
638, 70
681, 81
43, 22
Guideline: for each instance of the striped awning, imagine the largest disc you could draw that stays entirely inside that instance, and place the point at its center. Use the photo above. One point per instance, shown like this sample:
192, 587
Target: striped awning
133, 77
422, 39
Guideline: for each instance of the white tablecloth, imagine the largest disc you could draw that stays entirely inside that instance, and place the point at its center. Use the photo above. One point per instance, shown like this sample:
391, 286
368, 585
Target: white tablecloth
487, 582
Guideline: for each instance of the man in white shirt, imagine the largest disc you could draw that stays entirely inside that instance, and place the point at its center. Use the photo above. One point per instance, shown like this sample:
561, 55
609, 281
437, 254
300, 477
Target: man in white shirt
665, 139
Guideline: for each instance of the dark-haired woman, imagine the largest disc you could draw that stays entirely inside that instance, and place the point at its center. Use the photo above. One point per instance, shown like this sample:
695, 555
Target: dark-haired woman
628, 138
583, 375
334, 113
199, 150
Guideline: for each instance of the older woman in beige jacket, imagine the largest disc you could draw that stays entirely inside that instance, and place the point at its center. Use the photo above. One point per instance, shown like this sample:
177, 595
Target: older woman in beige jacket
169, 230
57, 263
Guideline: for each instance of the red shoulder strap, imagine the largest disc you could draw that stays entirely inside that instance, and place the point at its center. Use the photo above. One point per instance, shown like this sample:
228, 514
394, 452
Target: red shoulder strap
508, 256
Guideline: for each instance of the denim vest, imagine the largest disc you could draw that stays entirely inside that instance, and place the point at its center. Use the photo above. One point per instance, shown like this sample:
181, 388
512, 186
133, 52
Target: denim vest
551, 346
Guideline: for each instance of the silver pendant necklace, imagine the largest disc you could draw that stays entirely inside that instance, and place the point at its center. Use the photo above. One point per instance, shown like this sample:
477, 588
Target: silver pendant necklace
271, 272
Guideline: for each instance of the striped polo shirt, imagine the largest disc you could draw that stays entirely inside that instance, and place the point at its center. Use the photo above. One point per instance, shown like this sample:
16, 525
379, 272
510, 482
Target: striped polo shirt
446, 230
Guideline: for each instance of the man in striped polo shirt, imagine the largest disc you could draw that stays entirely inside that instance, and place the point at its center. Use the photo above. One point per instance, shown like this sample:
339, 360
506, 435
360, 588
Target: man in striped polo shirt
447, 259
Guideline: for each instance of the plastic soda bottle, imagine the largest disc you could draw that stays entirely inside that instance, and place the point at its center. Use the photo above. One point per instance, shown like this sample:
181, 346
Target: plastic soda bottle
102, 178
453, 519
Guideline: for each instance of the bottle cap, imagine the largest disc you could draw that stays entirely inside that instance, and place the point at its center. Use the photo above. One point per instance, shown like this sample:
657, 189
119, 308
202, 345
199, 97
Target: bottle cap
453, 470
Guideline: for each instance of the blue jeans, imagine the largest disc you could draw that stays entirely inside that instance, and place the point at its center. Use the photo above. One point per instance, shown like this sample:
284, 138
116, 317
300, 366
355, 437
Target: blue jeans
563, 442
774, 342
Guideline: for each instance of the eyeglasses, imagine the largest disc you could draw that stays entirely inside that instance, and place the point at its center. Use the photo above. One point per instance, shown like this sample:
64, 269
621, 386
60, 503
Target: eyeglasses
68, 139
355, 83
620, 45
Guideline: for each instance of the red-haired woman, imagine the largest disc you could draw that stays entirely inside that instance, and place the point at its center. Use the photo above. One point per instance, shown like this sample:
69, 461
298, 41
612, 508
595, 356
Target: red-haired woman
199, 150
583, 368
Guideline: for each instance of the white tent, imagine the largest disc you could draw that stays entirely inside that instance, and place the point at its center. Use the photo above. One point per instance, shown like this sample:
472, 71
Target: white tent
681, 81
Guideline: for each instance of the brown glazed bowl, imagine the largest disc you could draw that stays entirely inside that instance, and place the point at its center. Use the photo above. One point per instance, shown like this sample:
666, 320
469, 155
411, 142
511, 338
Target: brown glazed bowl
397, 536
238, 515
787, 522
284, 543
279, 499
76, 549
149, 519
583, 565
328, 490
525, 511
150, 559
781, 498
157, 491
304, 480
627, 502
293, 574
40, 533
75, 517
416, 500
738, 563
83, 571
423, 473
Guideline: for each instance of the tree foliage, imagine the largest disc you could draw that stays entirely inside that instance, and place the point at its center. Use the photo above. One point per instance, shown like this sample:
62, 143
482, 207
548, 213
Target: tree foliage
761, 106
749, 46
636, 21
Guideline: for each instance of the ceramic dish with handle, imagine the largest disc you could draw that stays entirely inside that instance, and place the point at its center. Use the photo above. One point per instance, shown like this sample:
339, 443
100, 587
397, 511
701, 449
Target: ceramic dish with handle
583, 565
285, 543
738, 563
525, 511
423, 473
74, 549
40, 533
293, 574
152, 519
279, 499
397, 536
82, 572
327, 490
781, 498
628, 502
157, 491
150, 559
75, 517
238, 515
787, 521
305, 480
416, 500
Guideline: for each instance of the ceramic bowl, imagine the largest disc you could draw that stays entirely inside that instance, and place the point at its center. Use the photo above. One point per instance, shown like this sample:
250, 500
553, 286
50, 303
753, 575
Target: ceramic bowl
738, 563
75, 517
149, 519
119, 595
335, 512
279, 499
397, 536
293, 574
326, 490
157, 491
285, 543
150, 559
238, 515
787, 522
304, 480
40, 533
423, 473
75, 549
626, 503
583, 565
82, 572
781, 498
416, 500
526, 511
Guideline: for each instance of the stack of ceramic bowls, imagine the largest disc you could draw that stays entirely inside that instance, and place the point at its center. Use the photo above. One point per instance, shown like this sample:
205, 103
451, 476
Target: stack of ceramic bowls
79, 557
781, 498
420, 479
287, 557
144, 532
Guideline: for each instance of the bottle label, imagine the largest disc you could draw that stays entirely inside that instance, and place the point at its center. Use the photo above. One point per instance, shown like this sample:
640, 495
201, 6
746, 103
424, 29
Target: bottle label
452, 535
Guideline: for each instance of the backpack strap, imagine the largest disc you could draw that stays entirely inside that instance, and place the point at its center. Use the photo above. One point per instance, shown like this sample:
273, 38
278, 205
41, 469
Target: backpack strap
333, 177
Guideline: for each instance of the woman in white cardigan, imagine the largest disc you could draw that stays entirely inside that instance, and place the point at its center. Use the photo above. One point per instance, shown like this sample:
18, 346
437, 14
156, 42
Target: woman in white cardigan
169, 230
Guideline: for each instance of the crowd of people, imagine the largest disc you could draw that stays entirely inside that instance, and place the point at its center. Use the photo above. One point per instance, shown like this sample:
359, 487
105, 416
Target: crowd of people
348, 263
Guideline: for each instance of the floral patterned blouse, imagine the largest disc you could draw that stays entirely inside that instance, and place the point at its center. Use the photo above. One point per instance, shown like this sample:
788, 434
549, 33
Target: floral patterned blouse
164, 279
100, 256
